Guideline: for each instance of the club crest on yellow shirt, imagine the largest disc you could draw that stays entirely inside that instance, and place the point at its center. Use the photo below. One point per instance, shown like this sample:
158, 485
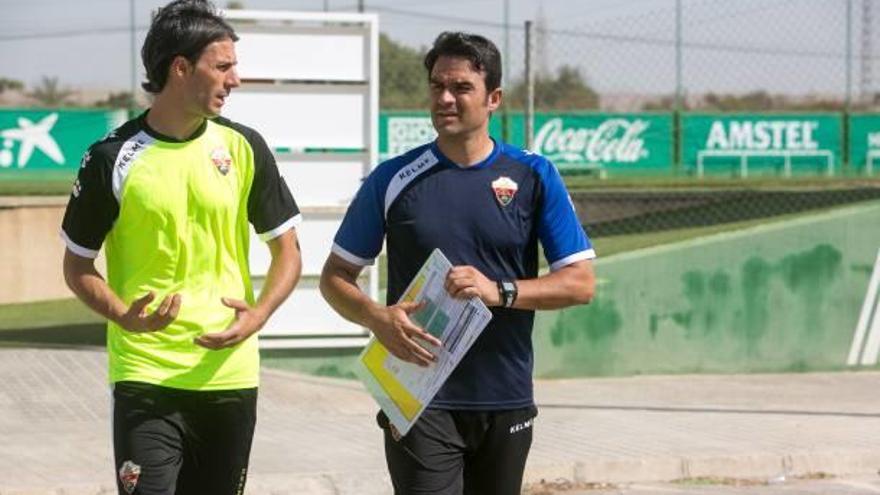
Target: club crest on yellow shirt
222, 160
505, 189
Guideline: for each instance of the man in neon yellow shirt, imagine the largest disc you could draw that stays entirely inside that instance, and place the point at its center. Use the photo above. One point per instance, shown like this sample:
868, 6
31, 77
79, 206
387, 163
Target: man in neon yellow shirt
170, 195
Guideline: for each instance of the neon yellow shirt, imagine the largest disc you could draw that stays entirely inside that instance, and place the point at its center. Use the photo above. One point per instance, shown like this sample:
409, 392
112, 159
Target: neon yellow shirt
174, 218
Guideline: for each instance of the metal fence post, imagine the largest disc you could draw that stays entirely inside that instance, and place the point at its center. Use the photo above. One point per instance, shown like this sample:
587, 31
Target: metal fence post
132, 52
677, 166
847, 103
530, 87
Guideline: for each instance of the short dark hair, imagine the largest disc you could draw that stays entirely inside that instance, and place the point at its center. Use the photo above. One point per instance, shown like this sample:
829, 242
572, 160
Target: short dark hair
482, 53
181, 28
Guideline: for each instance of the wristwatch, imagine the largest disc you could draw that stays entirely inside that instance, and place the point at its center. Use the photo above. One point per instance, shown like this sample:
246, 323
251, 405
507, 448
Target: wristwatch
508, 291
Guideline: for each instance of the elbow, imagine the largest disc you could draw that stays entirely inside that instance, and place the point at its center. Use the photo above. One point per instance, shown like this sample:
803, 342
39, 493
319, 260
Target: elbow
584, 287
69, 272
325, 282
583, 293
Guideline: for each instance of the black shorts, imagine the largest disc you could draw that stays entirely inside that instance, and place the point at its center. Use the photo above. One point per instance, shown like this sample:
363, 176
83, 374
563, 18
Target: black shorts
179, 442
460, 452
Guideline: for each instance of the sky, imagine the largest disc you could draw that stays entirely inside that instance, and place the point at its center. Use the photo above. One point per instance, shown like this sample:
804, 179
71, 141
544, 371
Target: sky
620, 46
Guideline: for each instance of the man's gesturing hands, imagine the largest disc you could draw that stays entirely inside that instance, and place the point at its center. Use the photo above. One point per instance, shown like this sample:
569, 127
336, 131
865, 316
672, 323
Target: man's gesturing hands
137, 320
247, 321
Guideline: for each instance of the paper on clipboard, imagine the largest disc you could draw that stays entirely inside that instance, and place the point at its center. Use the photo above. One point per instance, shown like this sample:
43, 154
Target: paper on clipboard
403, 389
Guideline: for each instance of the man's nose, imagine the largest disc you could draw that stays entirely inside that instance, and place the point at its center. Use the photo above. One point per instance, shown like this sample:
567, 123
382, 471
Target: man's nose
233, 81
445, 97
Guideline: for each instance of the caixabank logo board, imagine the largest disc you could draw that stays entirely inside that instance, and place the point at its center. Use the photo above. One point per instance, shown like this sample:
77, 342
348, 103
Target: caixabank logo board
50, 140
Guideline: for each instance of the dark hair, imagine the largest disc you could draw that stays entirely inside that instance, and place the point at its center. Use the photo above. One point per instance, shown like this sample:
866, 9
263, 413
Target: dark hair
482, 53
184, 28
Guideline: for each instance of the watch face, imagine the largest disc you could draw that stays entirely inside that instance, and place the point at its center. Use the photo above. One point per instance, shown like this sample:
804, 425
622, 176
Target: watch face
508, 290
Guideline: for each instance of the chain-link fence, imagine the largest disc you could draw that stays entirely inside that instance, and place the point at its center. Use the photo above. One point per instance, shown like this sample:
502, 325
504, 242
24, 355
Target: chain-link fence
716, 55
658, 94
705, 114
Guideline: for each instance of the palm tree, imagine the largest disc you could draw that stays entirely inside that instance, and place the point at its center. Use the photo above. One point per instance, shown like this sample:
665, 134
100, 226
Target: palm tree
49, 93
10, 84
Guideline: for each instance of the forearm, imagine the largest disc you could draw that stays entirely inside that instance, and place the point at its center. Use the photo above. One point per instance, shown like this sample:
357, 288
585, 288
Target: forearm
283, 275
90, 287
341, 291
565, 287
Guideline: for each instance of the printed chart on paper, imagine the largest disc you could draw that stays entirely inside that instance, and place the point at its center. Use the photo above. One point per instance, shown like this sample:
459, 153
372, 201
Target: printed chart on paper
403, 389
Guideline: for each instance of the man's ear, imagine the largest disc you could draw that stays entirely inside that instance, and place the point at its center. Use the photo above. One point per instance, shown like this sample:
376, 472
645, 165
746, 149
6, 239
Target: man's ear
494, 99
180, 67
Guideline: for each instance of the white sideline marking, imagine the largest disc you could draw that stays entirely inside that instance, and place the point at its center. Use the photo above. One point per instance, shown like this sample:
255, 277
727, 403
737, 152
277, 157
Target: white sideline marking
867, 316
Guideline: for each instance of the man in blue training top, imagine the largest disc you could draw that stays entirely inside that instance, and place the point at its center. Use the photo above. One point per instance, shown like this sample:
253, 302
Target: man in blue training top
486, 205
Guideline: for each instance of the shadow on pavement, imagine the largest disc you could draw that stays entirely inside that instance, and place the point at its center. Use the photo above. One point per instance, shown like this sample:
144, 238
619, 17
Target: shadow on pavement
84, 334
713, 410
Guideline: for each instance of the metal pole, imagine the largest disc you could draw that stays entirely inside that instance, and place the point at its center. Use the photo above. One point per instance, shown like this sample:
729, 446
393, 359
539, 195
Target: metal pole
360, 6
506, 8
505, 64
133, 55
676, 114
848, 98
846, 158
678, 90
530, 87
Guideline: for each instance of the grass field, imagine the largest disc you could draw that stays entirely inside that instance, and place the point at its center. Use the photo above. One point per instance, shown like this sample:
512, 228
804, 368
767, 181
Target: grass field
56, 312
59, 184
580, 182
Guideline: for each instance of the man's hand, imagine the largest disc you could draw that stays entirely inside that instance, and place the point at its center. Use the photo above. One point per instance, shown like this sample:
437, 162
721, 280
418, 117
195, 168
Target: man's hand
465, 281
399, 334
247, 322
137, 320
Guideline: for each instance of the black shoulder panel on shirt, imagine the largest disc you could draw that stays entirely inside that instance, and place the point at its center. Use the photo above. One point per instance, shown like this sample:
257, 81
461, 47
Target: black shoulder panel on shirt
92, 208
270, 203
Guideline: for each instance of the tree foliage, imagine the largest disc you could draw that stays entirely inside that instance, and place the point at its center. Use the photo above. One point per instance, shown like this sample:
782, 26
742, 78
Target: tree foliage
121, 99
7, 84
404, 82
565, 90
754, 101
49, 93
764, 101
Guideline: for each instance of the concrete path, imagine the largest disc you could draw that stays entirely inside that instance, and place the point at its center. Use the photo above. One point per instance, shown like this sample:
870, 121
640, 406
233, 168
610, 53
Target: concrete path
318, 435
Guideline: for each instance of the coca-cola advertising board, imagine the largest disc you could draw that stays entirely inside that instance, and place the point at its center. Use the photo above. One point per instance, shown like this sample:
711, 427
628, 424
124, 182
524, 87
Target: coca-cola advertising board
757, 143
617, 143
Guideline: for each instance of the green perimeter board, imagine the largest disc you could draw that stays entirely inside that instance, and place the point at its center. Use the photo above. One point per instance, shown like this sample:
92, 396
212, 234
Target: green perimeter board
50, 143
617, 143
864, 138
765, 139
402, 131
774, 298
